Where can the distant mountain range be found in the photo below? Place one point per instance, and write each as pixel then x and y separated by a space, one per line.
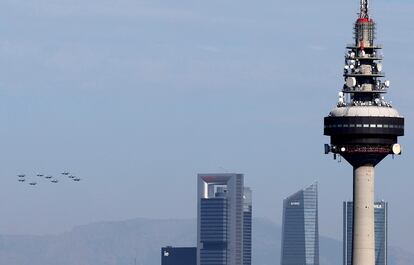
pixel 120 243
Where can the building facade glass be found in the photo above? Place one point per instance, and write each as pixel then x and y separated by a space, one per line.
pixel 300 232
pixel 220 219
pixel 247 226
pixel 213 231
pixel 381 232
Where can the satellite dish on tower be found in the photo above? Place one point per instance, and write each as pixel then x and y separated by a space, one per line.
pixel 351 82
pixel 379 67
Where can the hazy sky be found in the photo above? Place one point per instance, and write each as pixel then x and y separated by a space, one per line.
pixel 137 97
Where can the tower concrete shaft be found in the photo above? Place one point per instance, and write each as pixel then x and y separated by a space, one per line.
pixel 364 228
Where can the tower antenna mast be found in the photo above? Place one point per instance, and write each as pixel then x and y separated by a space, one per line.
pixel 364 9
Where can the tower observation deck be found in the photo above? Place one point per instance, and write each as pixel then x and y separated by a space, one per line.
pixel 363 128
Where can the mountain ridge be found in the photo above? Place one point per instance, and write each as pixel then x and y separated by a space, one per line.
pixel 121 242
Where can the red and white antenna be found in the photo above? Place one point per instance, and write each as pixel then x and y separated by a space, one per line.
pixel 364 9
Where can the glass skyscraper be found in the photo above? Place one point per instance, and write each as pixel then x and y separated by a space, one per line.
pixel 381 232
pixel 224 220
pixel 300 235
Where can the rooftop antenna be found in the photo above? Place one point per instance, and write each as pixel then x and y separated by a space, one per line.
pixel 364 9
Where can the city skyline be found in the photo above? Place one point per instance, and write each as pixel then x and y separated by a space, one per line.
pixel 196 80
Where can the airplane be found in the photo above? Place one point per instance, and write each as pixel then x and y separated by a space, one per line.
pixel 65 173
pixel 32 183
pixel 49 177
pixel 40 175
pixel 55 181
pixel 22 180
pixel 76 179
pixel 21 176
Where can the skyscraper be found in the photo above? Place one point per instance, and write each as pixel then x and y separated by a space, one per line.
pixel 247 226
pixel 300 235
pixel 220 219
pixel 178 256
pixel 381 229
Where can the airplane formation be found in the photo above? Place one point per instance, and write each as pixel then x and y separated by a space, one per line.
pixel 22 178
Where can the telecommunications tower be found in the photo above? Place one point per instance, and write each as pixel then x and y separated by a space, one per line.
pixel 363 128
